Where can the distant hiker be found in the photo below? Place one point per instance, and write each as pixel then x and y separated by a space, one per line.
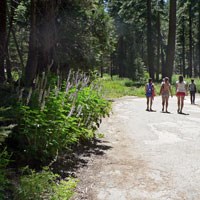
pixel 181 91
pixel 165 91
pixel 150 93
pixel 192 89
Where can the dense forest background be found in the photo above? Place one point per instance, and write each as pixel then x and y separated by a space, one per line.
pixel 53 54
pixel 118 37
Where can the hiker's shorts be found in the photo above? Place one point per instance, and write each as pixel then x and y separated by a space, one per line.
pixel 180 94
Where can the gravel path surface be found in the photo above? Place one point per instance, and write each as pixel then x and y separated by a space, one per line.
pixel 145 155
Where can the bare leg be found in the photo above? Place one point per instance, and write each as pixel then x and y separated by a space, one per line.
pixel 148 103
pixel 163 103
pixel 191 98
pixel 166 100
pixel 151 102
pixel 178 102
pixel 182 103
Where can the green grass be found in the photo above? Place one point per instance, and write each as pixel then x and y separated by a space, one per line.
pixel 119 87
pixel 44 185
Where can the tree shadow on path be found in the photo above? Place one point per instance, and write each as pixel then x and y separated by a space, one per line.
pixel 68 163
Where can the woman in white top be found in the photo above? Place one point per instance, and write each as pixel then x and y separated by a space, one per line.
pixel 181 91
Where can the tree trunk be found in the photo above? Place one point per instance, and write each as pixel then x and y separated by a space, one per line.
pixel 47 34
pixel 183 46
pixel 121 57
pixel 163 60
pixel 101 67
pixel 31 67
pixel 8 69
pixel 17 47
pixel 199 40
pixel 171 39
pixel 2 38
pixel 111 65
pixel 190 40
pixel 158 46
pixel 42 38
pixel 10 16
pixel 150 57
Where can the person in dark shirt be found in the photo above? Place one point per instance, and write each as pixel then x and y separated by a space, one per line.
pixel 192 89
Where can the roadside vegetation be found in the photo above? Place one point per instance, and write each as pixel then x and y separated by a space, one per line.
pixel 116 87
pixel 50 97
pixel 40 123
pixel 55 117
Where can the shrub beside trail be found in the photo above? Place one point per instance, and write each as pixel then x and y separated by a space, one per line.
pixel 51 117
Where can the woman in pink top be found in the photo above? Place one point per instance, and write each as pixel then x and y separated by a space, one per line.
pixel 181 91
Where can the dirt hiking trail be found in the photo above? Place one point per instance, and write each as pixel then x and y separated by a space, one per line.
pixel 145 155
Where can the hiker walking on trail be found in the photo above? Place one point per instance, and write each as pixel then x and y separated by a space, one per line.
pixel 181 91
pixel 165 91
pixel 192 89
pixel 150 93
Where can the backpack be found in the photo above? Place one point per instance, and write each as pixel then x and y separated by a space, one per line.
pixel 149 88
pixel 192 87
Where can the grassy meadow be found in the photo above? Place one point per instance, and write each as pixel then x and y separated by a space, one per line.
pixel 119 87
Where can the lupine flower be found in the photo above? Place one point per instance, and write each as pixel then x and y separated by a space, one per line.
pixel 21 94
pixel 71 111
pixel 88 120
pixel 29 96
pixel 79 110
pixel 40 96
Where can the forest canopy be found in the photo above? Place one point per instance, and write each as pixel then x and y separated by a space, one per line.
pixel 115 36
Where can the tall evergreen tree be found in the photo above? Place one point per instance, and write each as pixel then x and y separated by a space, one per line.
pixel 2 38
pixel 46 17
pixel 190 41
pixel 31 67
pixel 181 35
pixel 171 40
pixel 199 38
pixel 159 11
pixel 150 49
